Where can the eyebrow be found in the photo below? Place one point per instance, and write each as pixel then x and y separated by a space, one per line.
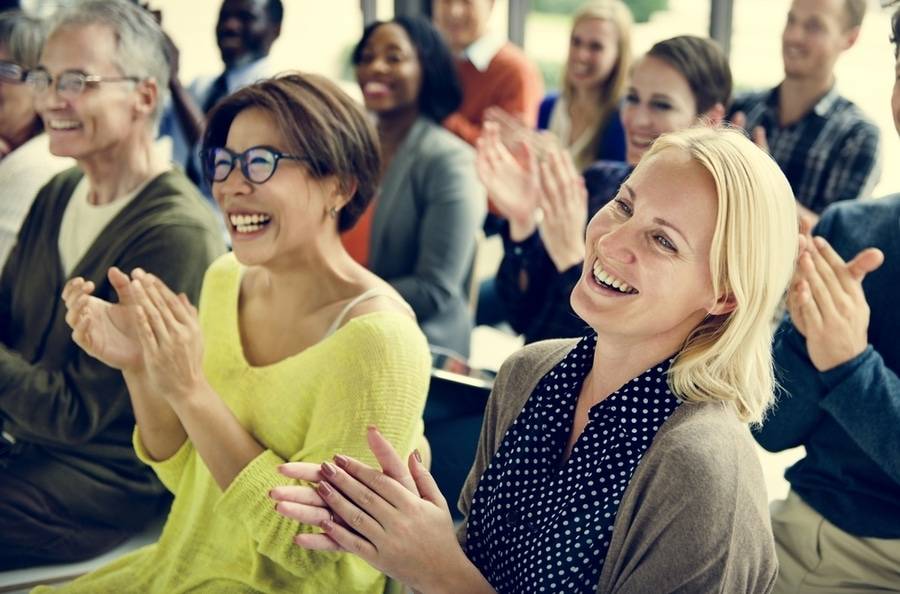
pixel 657 220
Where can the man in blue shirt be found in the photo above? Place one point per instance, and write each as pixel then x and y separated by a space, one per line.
pixel 837 358
pixel 245 32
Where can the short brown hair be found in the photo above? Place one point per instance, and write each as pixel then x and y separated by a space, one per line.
pixel 702 63
pixel 319 122
pixel 855 11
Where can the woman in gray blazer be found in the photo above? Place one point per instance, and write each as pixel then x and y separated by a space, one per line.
pixel 423 224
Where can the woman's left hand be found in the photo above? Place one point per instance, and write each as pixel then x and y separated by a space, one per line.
pixel 564 204
pixel 171 339
pixel 405 535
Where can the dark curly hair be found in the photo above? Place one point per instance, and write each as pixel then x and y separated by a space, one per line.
pixel 441 92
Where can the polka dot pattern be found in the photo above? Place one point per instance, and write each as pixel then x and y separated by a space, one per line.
pixel 536 526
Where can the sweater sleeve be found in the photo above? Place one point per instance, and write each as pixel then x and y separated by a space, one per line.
pixel 535 295
pixel 454 206
pixel 688 526
pixel 863 396
pixel 74 404
pixel 796 412
pixel 380 379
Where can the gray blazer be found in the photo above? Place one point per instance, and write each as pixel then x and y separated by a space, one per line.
pixel 429 209
pixel 694 517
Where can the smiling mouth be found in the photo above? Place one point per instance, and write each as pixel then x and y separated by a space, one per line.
pixel 608 281
pixel 249 223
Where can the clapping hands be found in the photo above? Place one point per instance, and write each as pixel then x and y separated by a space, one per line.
pixel 151 331
pixel 827 303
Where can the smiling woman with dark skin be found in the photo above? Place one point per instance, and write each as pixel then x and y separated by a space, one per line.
pixel 419 233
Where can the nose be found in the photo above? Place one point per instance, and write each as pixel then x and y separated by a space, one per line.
pixel 640 117
pixel 792 33
pixel 230 24
pixel 235 184
pixel 49 99
pixel 617 244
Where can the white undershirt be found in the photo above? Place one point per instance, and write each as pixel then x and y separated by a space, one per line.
pixel 83 222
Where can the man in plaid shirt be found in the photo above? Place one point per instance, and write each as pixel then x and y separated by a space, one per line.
pixel 825 145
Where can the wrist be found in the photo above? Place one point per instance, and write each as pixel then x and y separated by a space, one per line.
pixel 521 228
pixel 832 361
pixel 459 575
pixel 567 258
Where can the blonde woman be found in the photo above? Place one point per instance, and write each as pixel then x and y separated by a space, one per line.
pixel 621 461
pixel 585 115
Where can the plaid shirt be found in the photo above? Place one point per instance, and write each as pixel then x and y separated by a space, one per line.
pixel 830 154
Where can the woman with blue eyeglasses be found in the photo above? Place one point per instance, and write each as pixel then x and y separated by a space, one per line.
pixel 26 163
pixel 296 348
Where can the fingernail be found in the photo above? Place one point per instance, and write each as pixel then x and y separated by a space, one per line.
pixel 341 460
pixel 417 455
pixel 819 241
pixel 326 525
pixel 372 428
pixel 324 489
pixel 328 470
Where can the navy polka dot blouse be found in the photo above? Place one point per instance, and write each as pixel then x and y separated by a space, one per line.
pixel 536 526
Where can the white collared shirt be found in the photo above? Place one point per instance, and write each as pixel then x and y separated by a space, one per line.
pixel 482 51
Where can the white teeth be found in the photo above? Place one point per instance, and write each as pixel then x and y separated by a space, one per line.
pixel 247 228
pixel 605 278
pixel 63 124
pixel 243 220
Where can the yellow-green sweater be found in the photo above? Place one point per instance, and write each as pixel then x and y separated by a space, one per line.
pixel 373 370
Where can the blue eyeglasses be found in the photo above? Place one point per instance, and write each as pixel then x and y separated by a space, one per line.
pixel 258 163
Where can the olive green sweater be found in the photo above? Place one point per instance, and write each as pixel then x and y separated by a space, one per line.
pixel 69 414
pixel 694 517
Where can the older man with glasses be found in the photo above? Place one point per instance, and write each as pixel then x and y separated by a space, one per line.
pixel 70 483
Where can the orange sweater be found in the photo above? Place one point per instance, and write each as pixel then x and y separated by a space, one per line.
pixel 511 82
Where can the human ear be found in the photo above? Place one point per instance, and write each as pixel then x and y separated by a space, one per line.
pixel 850 37
pixel 148 95
pixel 713 116
pixel 724 305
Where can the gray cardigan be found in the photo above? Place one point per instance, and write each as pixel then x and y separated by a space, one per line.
pixel 694 517
pixel 429 209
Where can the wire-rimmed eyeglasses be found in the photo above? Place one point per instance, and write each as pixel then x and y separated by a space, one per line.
pixel 70 83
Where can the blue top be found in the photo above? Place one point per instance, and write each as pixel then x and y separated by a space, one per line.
pixel 848 418
pixel 537 524
pixel 612 142
pixel 541 310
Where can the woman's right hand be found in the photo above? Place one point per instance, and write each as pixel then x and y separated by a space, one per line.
pixel 106 331
pixel 512 182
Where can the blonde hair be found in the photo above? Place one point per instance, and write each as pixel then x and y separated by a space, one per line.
pixel 728 357
pixel 617 13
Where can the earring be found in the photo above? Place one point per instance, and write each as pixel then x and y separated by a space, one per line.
pixel 333 212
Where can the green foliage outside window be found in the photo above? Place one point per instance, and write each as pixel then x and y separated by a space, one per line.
pixel 641 9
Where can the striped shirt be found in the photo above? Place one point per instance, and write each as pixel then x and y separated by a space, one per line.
pixel 830 154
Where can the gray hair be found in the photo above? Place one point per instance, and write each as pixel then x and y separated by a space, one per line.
pixel 23 36
pixel 140 42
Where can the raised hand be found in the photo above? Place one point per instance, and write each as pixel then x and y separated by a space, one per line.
pixel 827 303
pixel 564 205
pixel 303 503
pixel 106 331
pixel 170 337
pixel 513 184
